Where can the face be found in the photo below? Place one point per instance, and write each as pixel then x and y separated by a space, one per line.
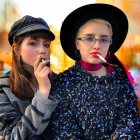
pixel 33 48
pixel 93 38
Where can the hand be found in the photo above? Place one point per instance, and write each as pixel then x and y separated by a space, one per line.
pixel 41 72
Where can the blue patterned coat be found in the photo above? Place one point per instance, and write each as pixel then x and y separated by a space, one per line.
pixel 94 108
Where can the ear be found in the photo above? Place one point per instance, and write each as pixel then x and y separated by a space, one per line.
pixel 76 43
pixel 15 49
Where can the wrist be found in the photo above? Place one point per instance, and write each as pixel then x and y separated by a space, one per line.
pixel 45 91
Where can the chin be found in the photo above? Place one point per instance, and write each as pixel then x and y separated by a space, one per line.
pixel 94 61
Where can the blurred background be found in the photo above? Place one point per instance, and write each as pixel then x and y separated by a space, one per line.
pixel 54 12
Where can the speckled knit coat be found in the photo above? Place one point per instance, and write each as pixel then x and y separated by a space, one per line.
pixel 94 108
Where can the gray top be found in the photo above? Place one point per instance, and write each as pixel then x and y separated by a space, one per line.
pixel 23 119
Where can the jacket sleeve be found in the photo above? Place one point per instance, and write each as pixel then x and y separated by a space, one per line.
pixel 14 125
pixel 129 121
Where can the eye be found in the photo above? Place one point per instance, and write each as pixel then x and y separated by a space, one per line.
pixel 32 43
pixel 90 39
pixel 104 40
pixel 47 45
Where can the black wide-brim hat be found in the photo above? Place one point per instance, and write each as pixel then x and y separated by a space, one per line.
pixel 78 17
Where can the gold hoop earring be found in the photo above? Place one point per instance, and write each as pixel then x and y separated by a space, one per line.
pixel 77 53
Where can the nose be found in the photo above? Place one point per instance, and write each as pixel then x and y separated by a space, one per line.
pixel 42 50
pixel 96 44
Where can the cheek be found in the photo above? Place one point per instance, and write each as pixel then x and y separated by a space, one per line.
pixel 28 55
pixel 84 51
pixel 47 52
pixel 105 51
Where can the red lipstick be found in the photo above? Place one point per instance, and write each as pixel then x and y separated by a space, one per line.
pixel 95 54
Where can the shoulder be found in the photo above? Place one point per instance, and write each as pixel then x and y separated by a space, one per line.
pixel 64 77
pixel 4 86
pixel 4 80
pixel 123 72
pixel 62 82
pixel 5 91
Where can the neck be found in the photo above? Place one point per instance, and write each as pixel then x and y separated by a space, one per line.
pixel 90 67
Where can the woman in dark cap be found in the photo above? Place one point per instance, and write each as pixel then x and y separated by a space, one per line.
pixel 96 100
pixel 25 104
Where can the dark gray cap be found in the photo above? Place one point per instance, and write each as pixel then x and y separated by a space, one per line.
pixel 28 24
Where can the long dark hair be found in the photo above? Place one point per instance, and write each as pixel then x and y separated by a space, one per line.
pixel 22 80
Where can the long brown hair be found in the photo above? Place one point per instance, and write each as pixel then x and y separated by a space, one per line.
pixel 22 80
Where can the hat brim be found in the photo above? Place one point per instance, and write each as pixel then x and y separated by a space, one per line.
pixel 75 19
pixel 36 27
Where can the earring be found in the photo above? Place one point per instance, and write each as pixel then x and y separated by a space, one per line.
pixel 77 53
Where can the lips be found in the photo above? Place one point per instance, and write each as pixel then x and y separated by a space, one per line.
pixel 95 54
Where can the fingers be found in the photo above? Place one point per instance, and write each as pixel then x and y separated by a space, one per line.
pixel 40 63
pixel 36 63
pixel 44 71
pixel 46 62
pixel 41 68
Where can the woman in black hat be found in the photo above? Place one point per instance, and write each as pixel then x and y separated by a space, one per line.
pixel 96 98
pixel 25 104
